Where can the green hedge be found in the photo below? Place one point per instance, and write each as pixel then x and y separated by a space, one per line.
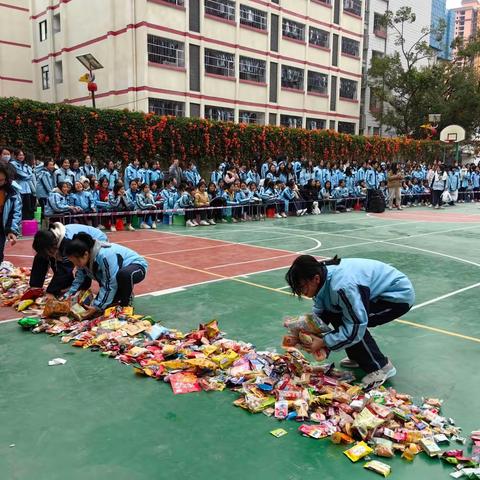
pixel 64 130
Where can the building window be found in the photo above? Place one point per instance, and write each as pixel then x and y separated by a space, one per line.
pixel 221 8
pixel 375 104
pixel 316 124
pixel 43 30
pixel 346 127
pixel 252 69
pixel 253 17
pixel 348 89
pixel 290 121
pixel 176 2
pixel 292 77
pixel 350 47
pixel 353 6
pixel 250 117
pixel 318 37
pixel 45 77
pixel 219 63
pixel 293 29
pixel 317 82
pixel 56 23
pixel 379 28
pixel 219 114
pixel 59 72
pixel 326 2
pixel 165 51
pixel 166 107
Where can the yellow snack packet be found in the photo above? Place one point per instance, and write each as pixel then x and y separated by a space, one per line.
pixel 378 467
pixel 24 304
pixel 224 360
pixel 358 451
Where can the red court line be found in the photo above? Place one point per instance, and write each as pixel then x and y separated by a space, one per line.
pixel 223 258
pixel 428 216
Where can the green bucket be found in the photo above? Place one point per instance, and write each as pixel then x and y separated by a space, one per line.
pixel 135 221
pixel 38 214
pixel 179 220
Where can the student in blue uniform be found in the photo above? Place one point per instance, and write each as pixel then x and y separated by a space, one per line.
pixel 49 246
pixel 45 181
pixel 10 209
pixel 88 169
pixel 110 173
pixel 116 269
pixel 132 172
pixel 353 295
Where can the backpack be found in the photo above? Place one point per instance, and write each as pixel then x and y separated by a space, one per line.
pixel 376 203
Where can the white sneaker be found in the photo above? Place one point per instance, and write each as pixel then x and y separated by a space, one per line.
pixel 101 227
pixel 379 377
pixel 211 222
pixel 299 212
pixel 154 226
pixel 113 229
pixel 130 228
pixel 277 215
pixel 195 223
pixel 144 226
pixel 437 207
pixel 284 215
pixel 348 363
pixel 204 223
pixel 224 220
pixel 190 224
pixel 304 212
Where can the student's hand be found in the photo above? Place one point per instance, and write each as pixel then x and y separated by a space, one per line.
pixel 317 345
pixel 12 238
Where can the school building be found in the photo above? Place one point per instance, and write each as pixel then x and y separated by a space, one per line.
pixel 295 63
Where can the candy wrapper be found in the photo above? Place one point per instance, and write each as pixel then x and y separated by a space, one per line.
pixel 308 323
pixel 28 322
pixel 358 451
pixel 378 467
pixel 279 432
pixel 56 308
pixel 184 382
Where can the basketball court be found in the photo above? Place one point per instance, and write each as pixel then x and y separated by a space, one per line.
pixel 93 418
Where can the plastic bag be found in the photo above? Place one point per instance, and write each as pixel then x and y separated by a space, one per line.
pixel 56 308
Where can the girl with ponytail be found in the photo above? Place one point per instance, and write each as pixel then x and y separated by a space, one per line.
pixel 115 268
pixel 353 295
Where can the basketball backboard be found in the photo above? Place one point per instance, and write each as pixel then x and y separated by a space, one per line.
pixel 452 134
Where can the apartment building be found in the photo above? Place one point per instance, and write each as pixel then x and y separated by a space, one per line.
pixel 380 41
pixel 295 63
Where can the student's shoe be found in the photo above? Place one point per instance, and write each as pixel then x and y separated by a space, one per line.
pixel 154 226
pixel 144 226
pixel 130 227
pixel 101 227
pixel 224 220
pixel 189 223
pixel 390 208
pixel 204 223
pixel 113 229
pixel 379 377
pixel 277 215
pixel 211 221
pixel 348 210
pixel 348 363
pixel 234 220
pixel 304 212
pixel 437 207
pixel 299 212
pixel 399 208
pixel 284 215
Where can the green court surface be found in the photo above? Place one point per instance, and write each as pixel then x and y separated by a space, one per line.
pixel 93 418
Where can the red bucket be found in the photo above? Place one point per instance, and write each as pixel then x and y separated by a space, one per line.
pixel 271 212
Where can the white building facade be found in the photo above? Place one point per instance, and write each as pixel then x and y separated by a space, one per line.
pixel 379 41
pixel 295 63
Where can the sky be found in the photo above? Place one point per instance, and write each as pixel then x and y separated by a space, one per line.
pixel 453 3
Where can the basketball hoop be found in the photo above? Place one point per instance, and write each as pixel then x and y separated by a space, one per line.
pixel 452 134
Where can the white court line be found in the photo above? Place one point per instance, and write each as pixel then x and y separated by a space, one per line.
pixel 447 295
pixel 250 261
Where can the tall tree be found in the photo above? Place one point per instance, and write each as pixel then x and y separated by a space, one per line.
pixel 409 88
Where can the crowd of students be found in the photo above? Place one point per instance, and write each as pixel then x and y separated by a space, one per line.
pixel 80 191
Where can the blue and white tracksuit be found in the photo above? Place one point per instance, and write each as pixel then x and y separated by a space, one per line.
pixel 61 176
pixel 111 175
pixel 84 200
pixel 89 170
pixel 131 173
pixel 357 294
pixel 57 203
pixel 107 267
pixel 12 215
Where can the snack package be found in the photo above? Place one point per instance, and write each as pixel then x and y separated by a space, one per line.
pixel 279 432
pixel 308 323
pixel 366 421
pixel 378 467
pixel 56 308
pixel 28 322
pixel 339 437
pixel 78 311
pixel 281 409
pixel 358 451
pixel 184 382
pixel 430 447
pixel 24 304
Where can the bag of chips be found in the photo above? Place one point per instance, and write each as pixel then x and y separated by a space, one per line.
pixel 56 308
